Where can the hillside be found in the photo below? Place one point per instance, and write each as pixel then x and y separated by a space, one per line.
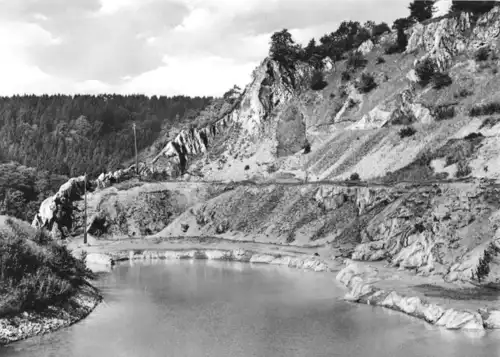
pixel 70 135
pixel 371 146
pixel 41 279
pixel 352 131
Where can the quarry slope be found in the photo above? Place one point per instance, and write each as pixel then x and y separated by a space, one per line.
pixel 427 205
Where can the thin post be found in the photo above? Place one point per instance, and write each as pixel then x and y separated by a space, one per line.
pixel 85 214
pixel 135 144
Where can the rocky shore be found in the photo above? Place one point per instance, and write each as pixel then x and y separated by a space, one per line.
pixel 361 281
pixel 368 283
pixel 30 324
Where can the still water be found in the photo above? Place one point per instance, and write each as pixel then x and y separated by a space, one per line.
pixel 203 308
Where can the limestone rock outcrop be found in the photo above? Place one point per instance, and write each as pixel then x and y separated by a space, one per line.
pixel 444 39
pixel 361 283
pixel 58 209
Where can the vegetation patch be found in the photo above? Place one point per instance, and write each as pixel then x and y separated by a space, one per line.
pixel 36 271
pixel 366 83
pixel 441 80
pixel 356 60
pixel 485 109
pixel 489 122
pixel 425 70
pixel 482 54
pixel 407 132
pixel 444 111
pixel 463 93
pixel 318 81
pixel 455 151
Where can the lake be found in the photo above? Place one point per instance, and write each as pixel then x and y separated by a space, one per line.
pixel 206 308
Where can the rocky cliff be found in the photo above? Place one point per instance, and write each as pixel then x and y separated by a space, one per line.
pixel 280 127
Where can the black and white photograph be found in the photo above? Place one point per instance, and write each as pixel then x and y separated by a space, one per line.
pixel 249 178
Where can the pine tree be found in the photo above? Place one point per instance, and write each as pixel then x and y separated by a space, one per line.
pixel 421 10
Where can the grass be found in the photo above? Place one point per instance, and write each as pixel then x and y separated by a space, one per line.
pixel 36 271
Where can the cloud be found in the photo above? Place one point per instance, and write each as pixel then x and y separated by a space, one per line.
pixel 122 45
pixel 191 76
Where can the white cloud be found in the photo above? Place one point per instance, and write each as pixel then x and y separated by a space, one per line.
pixel 118 45
pixel 191 76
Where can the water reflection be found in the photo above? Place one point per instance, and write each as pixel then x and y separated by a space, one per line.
pixel 207 308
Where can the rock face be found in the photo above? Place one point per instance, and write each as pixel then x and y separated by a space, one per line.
pixel 255 113
pixel 360 280
pixel 56 211
pixel 444 39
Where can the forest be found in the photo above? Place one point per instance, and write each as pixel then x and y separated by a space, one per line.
pixel 44 140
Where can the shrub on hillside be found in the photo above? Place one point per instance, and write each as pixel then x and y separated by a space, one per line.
pixel 36 271
pixel 473 136
pixel 307 147
pixel 247 167
pixel 345 76
pixel 482 54
pixel 391 49
pixel 356 60
pixel 440 80
pixel 365 83
pixel 407 132
pixel 318 81
pixel 463 169
pixel 444 111
pixel 425 70
pixel 380 60
pixel 463 93
pixel 485 109
pixel 380 29
pixel 354 177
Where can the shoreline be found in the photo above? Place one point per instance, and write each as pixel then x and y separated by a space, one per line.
pixel 364 281
pixel 30 324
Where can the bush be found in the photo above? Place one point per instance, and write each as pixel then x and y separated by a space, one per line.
pixel 462 93
pixel 318 81
pixel 463 169
pixel 365 83
pixel 473 136
pixel 36 272
pixel 380 29
pixel 406 132
pixel 354 177
pixel 247 167
pixel 485 109
pixel 392 49
pixel 425 70
pixel 345 76
pixel 356 60
pixel 380 60
pixel 444 111
pixel 307 147
pixel 440 80
pixel 482 54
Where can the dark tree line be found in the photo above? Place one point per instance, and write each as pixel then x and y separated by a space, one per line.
pixel 23 189
pixel 70 135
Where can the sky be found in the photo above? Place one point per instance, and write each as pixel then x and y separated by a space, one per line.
pixel 157 47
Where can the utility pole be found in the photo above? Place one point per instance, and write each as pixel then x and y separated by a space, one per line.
pixel 135 144
pixel 85 215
